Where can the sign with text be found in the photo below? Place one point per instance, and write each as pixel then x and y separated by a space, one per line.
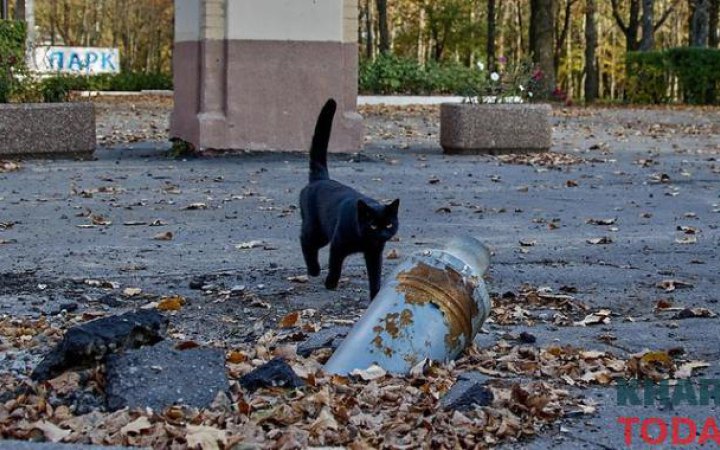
pixel 77 60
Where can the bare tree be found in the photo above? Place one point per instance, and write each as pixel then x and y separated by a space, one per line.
pixel 591 69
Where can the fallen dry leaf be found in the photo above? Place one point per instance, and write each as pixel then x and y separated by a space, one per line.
pixel 195 206
pixel 249 245
pixel 685 370
pixel 605 240
pixel 236 357
pixel 8 166
pixel 290 320
pixel 131 292
pixel 302 279
pixel 165 236
pixel 671 285
pixel 205 437
pixel 137 426
pixel 601 317
pixel 373 372
pixel 601 221
pixel 174 303
pixel 686 240
pixel 52 432
pixel 692 313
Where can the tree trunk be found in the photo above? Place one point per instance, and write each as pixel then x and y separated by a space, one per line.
pixel 699 24
pixel 384 43
pixel 647 42
pixel 20 10
pixel 591 72
pixel 491 35
pixel 542 26
pixel 713 38
pixel 562 35
pixel 369 30
pixel 632 28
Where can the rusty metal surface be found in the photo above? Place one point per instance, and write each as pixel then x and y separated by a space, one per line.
pixel 447 290
pixel 430 307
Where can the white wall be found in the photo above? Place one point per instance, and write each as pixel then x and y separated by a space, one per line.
pixel 276 20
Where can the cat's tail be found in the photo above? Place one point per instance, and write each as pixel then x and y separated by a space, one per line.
pixel 318 150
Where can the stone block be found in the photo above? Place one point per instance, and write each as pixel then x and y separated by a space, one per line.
pixel 467 128
pixel 31 130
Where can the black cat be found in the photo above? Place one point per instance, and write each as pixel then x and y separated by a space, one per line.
pixel 335 214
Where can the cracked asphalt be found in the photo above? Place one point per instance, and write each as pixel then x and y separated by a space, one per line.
pixel 652 174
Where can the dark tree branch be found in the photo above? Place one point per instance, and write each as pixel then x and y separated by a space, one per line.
pixel 618 18
pixel 665 15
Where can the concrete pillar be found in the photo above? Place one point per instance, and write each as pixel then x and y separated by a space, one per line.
pixel 254 74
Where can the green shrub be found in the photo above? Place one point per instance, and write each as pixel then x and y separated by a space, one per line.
pixel 58 87
pixel 12 57
pixel 390 74
pixel 647 77
pixel 698 71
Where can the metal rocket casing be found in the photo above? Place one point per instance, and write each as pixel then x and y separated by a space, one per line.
pixel 432 306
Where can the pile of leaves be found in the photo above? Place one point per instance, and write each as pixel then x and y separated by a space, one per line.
pixel 531 305
pixel 533 388
pixel 544 159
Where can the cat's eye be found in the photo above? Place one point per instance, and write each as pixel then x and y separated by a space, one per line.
pixel 389 226
pixel 373 227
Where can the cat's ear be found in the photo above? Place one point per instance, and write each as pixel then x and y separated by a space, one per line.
pixel 364 209
pixel 392 208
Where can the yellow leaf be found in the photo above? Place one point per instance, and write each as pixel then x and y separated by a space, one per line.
pixel 291 320
pixel 236 357
pixel 173 303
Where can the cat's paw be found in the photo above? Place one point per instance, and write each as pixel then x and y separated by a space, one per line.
pixel 313 271
pixel 331 284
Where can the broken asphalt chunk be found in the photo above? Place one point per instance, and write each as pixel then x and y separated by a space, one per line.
pixel 467 393
pixel 325 338
pixel 161 376
pixel 88 343
pixel 276 373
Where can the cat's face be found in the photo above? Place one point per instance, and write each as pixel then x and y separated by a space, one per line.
pixel 378 224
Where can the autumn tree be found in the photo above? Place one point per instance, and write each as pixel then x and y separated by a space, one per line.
pixel 383 28
pixel 491 22
pixel 591 70
pixel 699 22
pixel 631 26
pixel 542 27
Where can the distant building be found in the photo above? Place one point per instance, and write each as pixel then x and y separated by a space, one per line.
pixel 253 74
